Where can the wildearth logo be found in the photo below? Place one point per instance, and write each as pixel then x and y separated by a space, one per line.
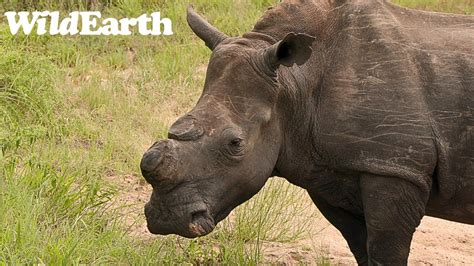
pixel 86 23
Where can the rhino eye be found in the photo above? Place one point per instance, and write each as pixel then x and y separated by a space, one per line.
pixel 236 142
pixel 236 147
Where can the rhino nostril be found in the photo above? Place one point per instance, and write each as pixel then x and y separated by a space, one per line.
pixel 197 214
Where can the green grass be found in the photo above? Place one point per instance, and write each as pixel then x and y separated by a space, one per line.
pixel 452 6
pixel 77 112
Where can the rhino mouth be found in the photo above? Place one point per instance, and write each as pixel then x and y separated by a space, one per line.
pixel 201 224
pixel 188 216
pixel 198 223
pixel 221 215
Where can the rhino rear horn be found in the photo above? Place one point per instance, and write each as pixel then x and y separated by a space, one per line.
pixel 204 30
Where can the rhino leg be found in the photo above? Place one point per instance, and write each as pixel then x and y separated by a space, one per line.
pixel 393 208
pixel 351 226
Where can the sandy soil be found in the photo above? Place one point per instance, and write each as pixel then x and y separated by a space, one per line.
pixel 436 241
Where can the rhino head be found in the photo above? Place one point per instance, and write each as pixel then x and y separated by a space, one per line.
pixel 221 153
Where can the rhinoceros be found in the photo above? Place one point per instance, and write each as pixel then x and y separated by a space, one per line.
pixel 366 105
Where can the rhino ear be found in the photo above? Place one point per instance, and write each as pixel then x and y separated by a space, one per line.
pixel 204 30
pixel 293 49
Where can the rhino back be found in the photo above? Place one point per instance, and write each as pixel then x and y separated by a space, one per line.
pixel 397 98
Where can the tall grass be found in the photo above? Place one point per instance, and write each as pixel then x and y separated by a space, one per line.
pixel 78 112
pixel 79 109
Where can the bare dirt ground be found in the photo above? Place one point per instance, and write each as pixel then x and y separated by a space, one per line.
pixel 436 241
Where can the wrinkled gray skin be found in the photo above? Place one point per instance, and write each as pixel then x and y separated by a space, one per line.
pixel 366 105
